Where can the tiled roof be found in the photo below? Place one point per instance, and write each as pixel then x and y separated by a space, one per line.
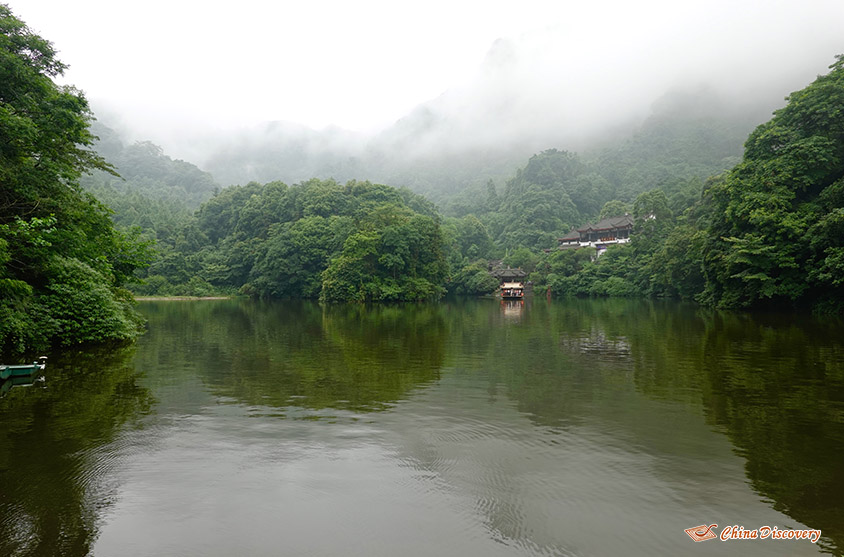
pixel 504 274
pixel 608 224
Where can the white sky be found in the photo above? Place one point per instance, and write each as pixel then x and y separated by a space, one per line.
pixel 362 64
pixel 356 64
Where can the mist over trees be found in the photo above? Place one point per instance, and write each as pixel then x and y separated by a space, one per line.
pixel 777 225
pixel 681 175
pixel 151 194
pixel 564 82
pixel 767 233
pixel 144 169
pixel 688 132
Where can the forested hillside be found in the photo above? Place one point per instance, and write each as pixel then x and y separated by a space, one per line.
pixel 710 225
pixel 145 170
pixel 687 138
pixel 777 219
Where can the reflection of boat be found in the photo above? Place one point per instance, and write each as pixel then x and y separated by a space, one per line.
pixel 512 308
pixel 512 290
pixel 24 370
pixel 27 381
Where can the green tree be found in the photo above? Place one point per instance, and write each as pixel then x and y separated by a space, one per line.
pixel 537 205
pixel 614 208
pixel 473 238
pixel 522 258
pixel 44 134
pixel 651 214
pixel 396 255
pixel 472 280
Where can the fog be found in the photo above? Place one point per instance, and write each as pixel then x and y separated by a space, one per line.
pixel 330 82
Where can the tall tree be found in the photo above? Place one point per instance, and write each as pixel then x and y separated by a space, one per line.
pixel 44 134
pixel 61 260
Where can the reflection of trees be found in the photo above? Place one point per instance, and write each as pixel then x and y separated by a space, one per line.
pixel 556 360
pixel 51 494
pixel 775 384
pixel 568 368
pixel 297 353
pixel 775 387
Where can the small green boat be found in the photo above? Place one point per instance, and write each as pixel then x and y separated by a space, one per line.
pixel 24 370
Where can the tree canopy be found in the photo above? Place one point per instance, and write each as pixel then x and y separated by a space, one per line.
pixel 777 217
pixel 318 239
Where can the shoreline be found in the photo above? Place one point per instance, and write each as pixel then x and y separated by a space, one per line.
pixel 178 298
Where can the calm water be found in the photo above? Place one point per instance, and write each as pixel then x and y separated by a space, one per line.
pixel 587 428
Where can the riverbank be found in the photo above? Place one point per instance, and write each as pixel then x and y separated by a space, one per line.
pixel 178 298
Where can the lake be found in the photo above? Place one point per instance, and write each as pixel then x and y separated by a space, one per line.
pixel 467 427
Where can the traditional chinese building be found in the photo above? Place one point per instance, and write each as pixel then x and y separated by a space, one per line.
pixel 614 230
pixel 511 282
pixel 508 275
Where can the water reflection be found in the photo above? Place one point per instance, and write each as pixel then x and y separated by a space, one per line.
pixel 295 353
pixel 776 385
pixel 512 310
pixel 773 384
pixel 8 384
pixel 577 427
pixel 54 480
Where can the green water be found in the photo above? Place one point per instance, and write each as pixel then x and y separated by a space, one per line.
pixel 583 427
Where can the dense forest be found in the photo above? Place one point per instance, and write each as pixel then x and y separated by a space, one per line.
pixel 319 239
pixel 84 215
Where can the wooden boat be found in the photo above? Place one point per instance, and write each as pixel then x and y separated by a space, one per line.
pixel 512 290
pixel 23 370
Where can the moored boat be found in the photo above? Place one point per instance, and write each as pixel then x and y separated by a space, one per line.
pixel 512 290
pixel 22 370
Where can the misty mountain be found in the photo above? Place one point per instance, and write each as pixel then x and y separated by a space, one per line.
pixel 693 133
pixel 688 133
pixel 645 114
pixel 152 191
pixel 639 137
pixel 635 125
pixel 285 151
pixel 465 136
pixel 146 170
